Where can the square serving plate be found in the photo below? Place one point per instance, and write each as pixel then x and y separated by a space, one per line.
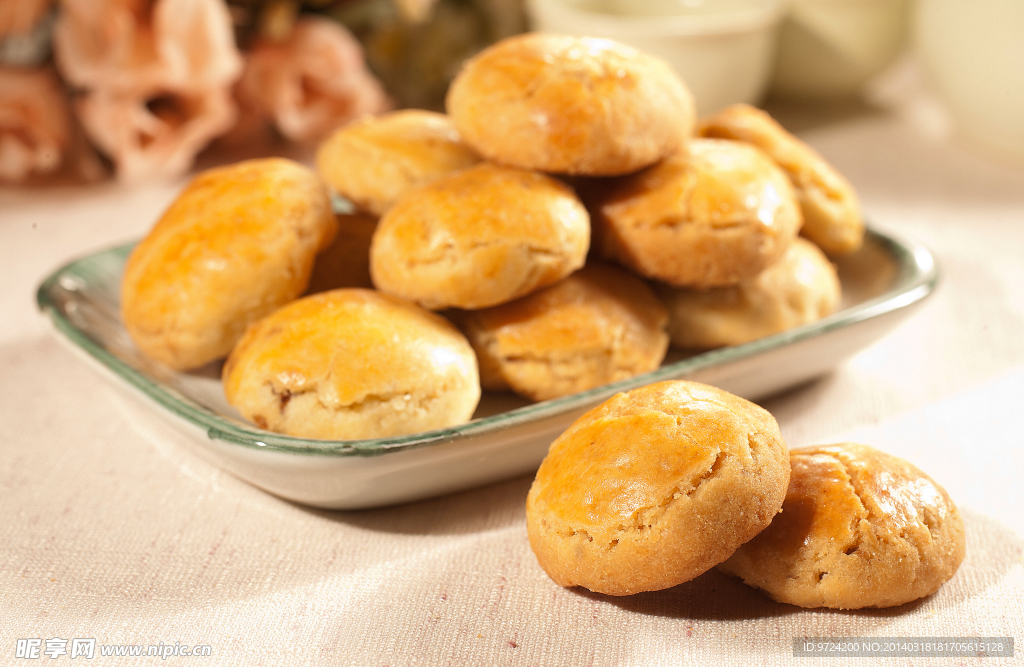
pixel 883 283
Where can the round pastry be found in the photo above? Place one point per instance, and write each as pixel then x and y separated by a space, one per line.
pixel 238 242
pixel 831 210
pixel 654 487
pixel 351 364
pixel 479 237
pixel 859 528
pixel 346 262
pixel 373 161
pixel 574 105
pixel 715 216
pixel 599 325
pixel 799 288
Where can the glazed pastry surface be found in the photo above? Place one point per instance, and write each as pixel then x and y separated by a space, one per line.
pixel 654 487
pixel 238 242
pixel 373 161
pixel 599 325
pixel 479 237
pixel 351 364
pixel 801 287
pixel 717 215
pixel 859 528
pixel 831 209
pixel 574 105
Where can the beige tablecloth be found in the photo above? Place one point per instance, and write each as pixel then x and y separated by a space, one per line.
pixel 112 529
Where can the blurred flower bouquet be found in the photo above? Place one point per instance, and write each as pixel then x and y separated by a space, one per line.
pixel 139 87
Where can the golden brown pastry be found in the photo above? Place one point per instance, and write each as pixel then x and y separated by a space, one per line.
pixel 799 288
pixel 831 210
pixel 346 262
pixel 352 364
pixel 599 325
pixel 859 528
pixel 717 215
pixel 375 160
pixel 479 237
pixel 238 242
pixel 575 105
pixel 654 487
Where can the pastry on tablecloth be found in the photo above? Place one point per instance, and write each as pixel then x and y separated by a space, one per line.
pixel 654 487
pixel 859 528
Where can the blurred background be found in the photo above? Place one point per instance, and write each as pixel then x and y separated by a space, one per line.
pixel 138 90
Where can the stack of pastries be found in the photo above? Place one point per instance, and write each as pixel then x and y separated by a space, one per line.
pixel 662 483
pixel 564 223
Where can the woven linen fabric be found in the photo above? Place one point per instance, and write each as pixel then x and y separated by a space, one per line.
pixel 116 528
pixel 126 536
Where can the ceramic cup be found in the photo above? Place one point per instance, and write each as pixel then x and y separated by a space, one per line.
pixel 831 48
pixel 972 52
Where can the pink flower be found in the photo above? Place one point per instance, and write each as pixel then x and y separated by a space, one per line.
pixel 18 17
pixel 312 82
pixel 158 135
pixel 35 123
pixel 156 76
pixel 146 44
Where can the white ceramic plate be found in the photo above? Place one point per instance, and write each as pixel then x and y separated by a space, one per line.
pixel 883 283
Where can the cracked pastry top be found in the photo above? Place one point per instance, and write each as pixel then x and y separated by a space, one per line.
pixel 373 161
pixel 238 242
pixel 859 528
pixel 599 325
pixel 654 487
pixel 801 287
pixel 714 216
pixel 352 364
pixel 830 207
pixel 572 105
pixel 479 237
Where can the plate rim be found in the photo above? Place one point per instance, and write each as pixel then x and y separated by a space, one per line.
pixel 917 277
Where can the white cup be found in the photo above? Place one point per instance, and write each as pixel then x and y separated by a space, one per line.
pixel 722 49
pixel 831 48
pixel 972 52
